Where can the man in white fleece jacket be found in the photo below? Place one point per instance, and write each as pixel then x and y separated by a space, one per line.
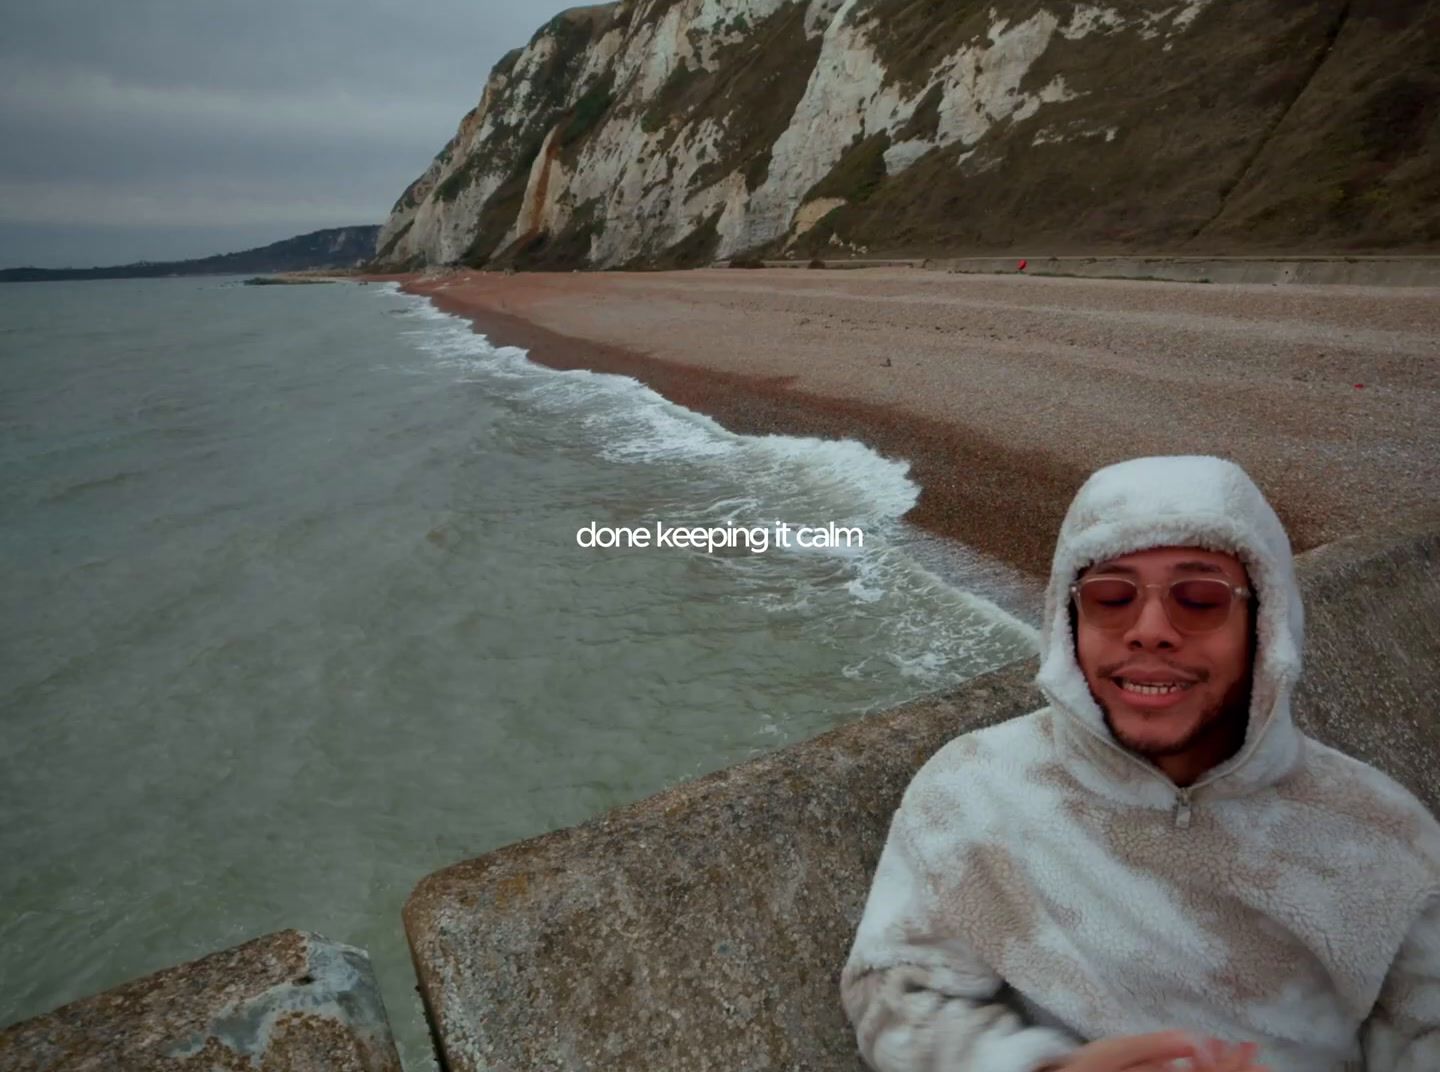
pixel 1159 847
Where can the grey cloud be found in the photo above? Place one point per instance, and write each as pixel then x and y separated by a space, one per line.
pixel 168 124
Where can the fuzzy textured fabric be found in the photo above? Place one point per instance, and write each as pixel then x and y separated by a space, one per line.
pixel 1041 886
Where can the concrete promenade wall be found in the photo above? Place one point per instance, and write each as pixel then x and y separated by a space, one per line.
pixel 705 927
pixel 1358 271
pixel 288 1001
pixel 1352 271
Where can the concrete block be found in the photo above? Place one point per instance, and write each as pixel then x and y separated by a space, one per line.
pixel 702 928
pixel 287 1002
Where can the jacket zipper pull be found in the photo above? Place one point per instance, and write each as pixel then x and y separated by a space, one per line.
pixel 1182 809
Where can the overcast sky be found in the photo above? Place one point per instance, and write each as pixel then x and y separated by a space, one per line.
pixel 163 129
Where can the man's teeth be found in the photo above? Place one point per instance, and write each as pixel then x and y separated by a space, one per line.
pixel 1153 690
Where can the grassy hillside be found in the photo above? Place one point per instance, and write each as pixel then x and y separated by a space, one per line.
pixel 336 247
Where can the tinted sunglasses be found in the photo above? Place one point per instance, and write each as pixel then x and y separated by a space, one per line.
pixel 1193 604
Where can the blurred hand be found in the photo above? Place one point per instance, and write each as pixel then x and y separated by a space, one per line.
pixel 1223 1057
pixel 1165 1051
pixel 1132 1053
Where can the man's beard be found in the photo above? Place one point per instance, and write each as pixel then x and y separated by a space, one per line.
pixel 1229 714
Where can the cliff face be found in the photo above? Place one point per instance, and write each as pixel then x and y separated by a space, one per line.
pixel 669 132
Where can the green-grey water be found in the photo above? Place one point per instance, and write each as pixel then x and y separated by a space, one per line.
pixel 294 613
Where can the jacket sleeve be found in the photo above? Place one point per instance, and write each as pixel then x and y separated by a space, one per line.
pixel 1403 1031
pixel 918 998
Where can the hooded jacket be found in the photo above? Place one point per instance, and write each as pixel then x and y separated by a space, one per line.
pixel 1042 887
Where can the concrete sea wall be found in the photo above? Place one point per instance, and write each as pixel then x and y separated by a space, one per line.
pixel 1348 271
pixel 705 927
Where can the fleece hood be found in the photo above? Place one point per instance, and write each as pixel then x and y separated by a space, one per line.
pixel 1181 501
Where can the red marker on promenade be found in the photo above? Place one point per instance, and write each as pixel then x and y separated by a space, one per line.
pixel 1022 265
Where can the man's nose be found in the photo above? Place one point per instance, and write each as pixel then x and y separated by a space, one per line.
pixel 1152 629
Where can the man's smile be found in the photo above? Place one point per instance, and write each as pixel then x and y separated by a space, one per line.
pixel 1151 695
pixel 1152 688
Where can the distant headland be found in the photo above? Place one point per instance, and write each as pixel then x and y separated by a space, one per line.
pixel 336 247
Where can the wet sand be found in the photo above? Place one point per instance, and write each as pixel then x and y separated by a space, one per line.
pixel 1005 392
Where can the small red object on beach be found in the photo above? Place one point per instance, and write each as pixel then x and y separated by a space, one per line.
pixel 1359 386
pixel 1022 265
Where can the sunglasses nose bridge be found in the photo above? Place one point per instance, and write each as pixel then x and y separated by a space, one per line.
pixel 1153 599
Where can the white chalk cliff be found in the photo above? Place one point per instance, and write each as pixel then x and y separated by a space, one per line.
pixel 685 131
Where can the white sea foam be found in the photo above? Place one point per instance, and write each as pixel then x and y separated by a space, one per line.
pixel 799 479
pixel 641 425
pixel 635 423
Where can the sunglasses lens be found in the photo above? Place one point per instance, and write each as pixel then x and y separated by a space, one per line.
pixel 1199 606
pixel 1109 602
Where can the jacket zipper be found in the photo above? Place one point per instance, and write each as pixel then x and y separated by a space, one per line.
pixel 1182 795
pixel 1182 809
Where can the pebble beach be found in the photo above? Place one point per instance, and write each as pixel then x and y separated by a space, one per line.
pixel 1004 392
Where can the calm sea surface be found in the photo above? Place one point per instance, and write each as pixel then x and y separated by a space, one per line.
pixel 293 613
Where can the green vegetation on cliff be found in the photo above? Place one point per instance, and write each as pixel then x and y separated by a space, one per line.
pixel 951 127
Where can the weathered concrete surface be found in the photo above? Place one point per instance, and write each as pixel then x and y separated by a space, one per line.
pixel 288 1001
pixel 1371 684
pixel 702 928
pixel 1351 271
pixel 705 928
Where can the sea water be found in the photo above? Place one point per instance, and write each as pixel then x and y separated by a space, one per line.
pixel 294 613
